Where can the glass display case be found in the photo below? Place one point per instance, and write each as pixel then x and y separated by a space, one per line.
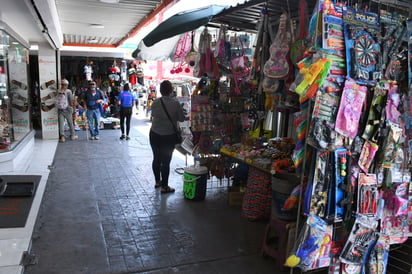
pixel 14 92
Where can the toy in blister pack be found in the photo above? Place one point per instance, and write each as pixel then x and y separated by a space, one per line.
pixel 341 170
pixel 396 228
pixel 321 132
pixel 361 235
pixel 321 181
pixel 368 153
pixel 390 146
pixel 394 28
pixel 350 109
pixel 367 194
pixel 375 116
pixel 364 59
pixel 392 104
pixel 333 38
pixel 377 257
pixel 311 250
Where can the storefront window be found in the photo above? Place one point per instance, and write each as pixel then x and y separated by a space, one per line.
pixel 14 92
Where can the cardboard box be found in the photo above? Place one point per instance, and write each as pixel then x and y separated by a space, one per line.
pixel 235 196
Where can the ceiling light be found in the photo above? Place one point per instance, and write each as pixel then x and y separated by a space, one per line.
pixel 92 41
pixel 110 1
pixel 96 26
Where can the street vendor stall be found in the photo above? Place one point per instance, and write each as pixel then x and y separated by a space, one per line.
pixel 315 99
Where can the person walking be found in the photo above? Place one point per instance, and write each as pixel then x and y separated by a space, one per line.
pixel 92 98
pixel 162 133
pixel 125 101
pixel 64 101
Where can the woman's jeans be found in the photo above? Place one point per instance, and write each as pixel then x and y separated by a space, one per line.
pixel 93 117
pixel 125 113
pixel 162 147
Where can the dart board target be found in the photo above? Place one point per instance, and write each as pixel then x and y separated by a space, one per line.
pixel 366 52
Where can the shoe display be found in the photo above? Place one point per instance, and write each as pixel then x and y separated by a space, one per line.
pixel 127 138
pixel 74 137
pixel 122 137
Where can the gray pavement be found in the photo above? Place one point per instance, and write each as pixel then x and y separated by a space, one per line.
pixel 101 214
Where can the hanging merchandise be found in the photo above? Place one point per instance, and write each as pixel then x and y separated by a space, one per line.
pixel 361 235
pixel 239 65
pixel 277 66
pixel 394 28
pixel 364 59
pixel 301 121
pixel 321 131
pixel 376 120
pixel 298 49
pixel 182 51
pixel 311 250
pixel 350 109
pixel 342 176
pixel 367 195
pixel 321 184
pixel 392 104
pixel 192 55
pixel 367 155
pixel 390 145
pixel 206 61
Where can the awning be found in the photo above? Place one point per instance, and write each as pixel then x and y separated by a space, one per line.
pixel 181 23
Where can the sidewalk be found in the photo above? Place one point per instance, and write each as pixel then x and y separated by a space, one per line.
pixel 101 214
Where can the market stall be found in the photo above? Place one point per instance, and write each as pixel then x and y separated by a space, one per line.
pixel 315 105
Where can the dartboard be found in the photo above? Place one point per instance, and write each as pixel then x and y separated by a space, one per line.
pixel 365 51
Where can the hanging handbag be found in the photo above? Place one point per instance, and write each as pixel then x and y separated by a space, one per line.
pixel 178 135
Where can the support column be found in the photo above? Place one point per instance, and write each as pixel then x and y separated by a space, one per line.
pixel 48 88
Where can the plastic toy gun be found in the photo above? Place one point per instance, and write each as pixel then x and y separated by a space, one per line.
pixel 309 75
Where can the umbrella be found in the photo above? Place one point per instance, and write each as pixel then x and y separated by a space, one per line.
pixel 181 23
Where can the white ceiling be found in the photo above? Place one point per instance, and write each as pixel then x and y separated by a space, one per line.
pixel 67 22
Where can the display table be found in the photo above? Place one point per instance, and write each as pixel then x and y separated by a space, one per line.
pixel 257 200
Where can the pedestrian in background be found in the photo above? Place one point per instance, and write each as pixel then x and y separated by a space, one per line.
pixel 162 134
pixel 92 98
pixel 125 101
pixel 65 105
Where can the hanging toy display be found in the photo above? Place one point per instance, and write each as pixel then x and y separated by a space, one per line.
pixel 311 250
pixel 364 59
pixel 350 109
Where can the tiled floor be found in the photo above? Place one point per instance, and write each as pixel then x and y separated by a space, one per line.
pixel 101 214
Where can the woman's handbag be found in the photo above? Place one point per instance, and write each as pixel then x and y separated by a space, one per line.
pixel 178 134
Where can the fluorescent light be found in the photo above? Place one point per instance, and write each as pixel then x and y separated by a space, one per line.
pixel 92 41
pixel 96 26
pixel 34 47
pixel 110 1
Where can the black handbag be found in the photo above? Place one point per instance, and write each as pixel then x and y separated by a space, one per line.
pixel 178 139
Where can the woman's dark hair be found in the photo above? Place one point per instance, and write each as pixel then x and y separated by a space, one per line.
pixel 126 87
pixel 166 88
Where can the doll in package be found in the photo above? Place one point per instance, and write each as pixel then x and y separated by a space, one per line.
pixel 350 109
